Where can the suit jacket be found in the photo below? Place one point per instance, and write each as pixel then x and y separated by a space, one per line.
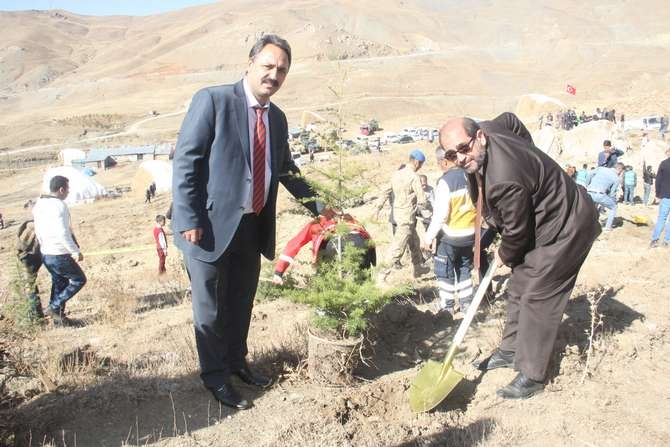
pixel 212 172
pixel 546 221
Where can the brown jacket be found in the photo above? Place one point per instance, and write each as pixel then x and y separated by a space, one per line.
pixel 546 221
pixel 407 195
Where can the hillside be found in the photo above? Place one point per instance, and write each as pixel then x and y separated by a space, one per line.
pixel 127 375
pixel 403 60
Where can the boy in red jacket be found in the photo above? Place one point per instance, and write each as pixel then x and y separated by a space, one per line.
pixel 161 243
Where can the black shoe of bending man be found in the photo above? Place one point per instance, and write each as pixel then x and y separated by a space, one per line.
pixel 499 359
pixel 228 396
pixel 522 387
pixel 420 270
pixel 251 378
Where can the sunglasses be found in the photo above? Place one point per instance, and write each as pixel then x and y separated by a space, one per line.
pixel 464 148
pixel 450 155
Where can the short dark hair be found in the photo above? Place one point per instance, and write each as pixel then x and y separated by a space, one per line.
pixel 443 154
pixel 57 182
pixel 471 127
pixel 270 39
pixel 607 143
pixel 160 218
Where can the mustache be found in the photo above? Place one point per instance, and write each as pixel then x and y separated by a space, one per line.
pixel 271 81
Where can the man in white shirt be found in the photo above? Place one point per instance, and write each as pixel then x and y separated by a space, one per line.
pixel 59 248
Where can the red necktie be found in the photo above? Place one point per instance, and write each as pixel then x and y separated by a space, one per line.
pixel 258 199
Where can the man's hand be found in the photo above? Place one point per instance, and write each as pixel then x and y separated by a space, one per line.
pixel 277 280
pixel 426 247
pixel 193 236
pixel 498 259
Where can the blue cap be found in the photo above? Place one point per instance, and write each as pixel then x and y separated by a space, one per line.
pixel 417 155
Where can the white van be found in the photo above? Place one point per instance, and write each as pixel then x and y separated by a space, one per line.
pixel 651 122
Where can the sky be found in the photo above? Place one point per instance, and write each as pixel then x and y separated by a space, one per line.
pixel 102 7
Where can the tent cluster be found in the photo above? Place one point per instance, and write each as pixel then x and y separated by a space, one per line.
pixel 83 189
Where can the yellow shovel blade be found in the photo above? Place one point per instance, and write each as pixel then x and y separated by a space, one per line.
pixel 640 220
pixel 431 386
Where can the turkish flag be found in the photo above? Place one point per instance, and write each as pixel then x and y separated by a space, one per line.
pixel 570 89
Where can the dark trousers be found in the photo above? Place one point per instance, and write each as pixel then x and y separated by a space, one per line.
pixel 453 269
pixel 67 278
pixel 223 294
pixel 532 326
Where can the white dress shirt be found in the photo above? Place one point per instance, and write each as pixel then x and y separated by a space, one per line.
pixel 251 113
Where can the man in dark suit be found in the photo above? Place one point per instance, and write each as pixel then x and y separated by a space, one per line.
pixel 231 154
pixel 547 224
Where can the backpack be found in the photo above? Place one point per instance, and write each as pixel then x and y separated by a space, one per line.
pixel 27 245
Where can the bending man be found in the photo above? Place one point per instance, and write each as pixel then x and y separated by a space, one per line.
pixel 547 225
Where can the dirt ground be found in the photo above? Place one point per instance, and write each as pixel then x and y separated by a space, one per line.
pixel 127 375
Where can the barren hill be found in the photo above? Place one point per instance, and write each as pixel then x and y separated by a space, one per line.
pixel 403 60
pixel 128 374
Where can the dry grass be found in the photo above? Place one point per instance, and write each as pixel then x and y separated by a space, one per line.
pixel 597 322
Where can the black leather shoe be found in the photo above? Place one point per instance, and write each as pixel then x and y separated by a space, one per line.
pixel 499 359
pixel 521 387
pixel 229 397
pixel 251 378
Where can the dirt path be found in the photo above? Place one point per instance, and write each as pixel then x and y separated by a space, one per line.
pixel 132 129
pixel 128 374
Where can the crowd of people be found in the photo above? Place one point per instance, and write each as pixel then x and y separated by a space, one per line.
pixel 610 182
pixel 568 119
pixel 494 181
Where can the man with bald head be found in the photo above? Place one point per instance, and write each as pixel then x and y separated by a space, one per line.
pixel 547 224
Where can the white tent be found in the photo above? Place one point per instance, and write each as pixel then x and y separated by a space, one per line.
pixel 157 171
pixel 66 156
pixel 83 189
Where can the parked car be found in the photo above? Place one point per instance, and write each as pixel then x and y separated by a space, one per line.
pixel 405 139
pixel 390 137
pixel 298 159
pixel 651 122
pixel 362 140
pixel 345 144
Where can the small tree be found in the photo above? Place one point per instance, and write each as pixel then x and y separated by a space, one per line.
pixel 20 307
pixel 342 292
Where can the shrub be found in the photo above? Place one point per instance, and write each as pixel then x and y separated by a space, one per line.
pixel 343 294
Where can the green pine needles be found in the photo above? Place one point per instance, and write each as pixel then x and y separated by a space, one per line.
pixel 23 304
pixel 343 294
